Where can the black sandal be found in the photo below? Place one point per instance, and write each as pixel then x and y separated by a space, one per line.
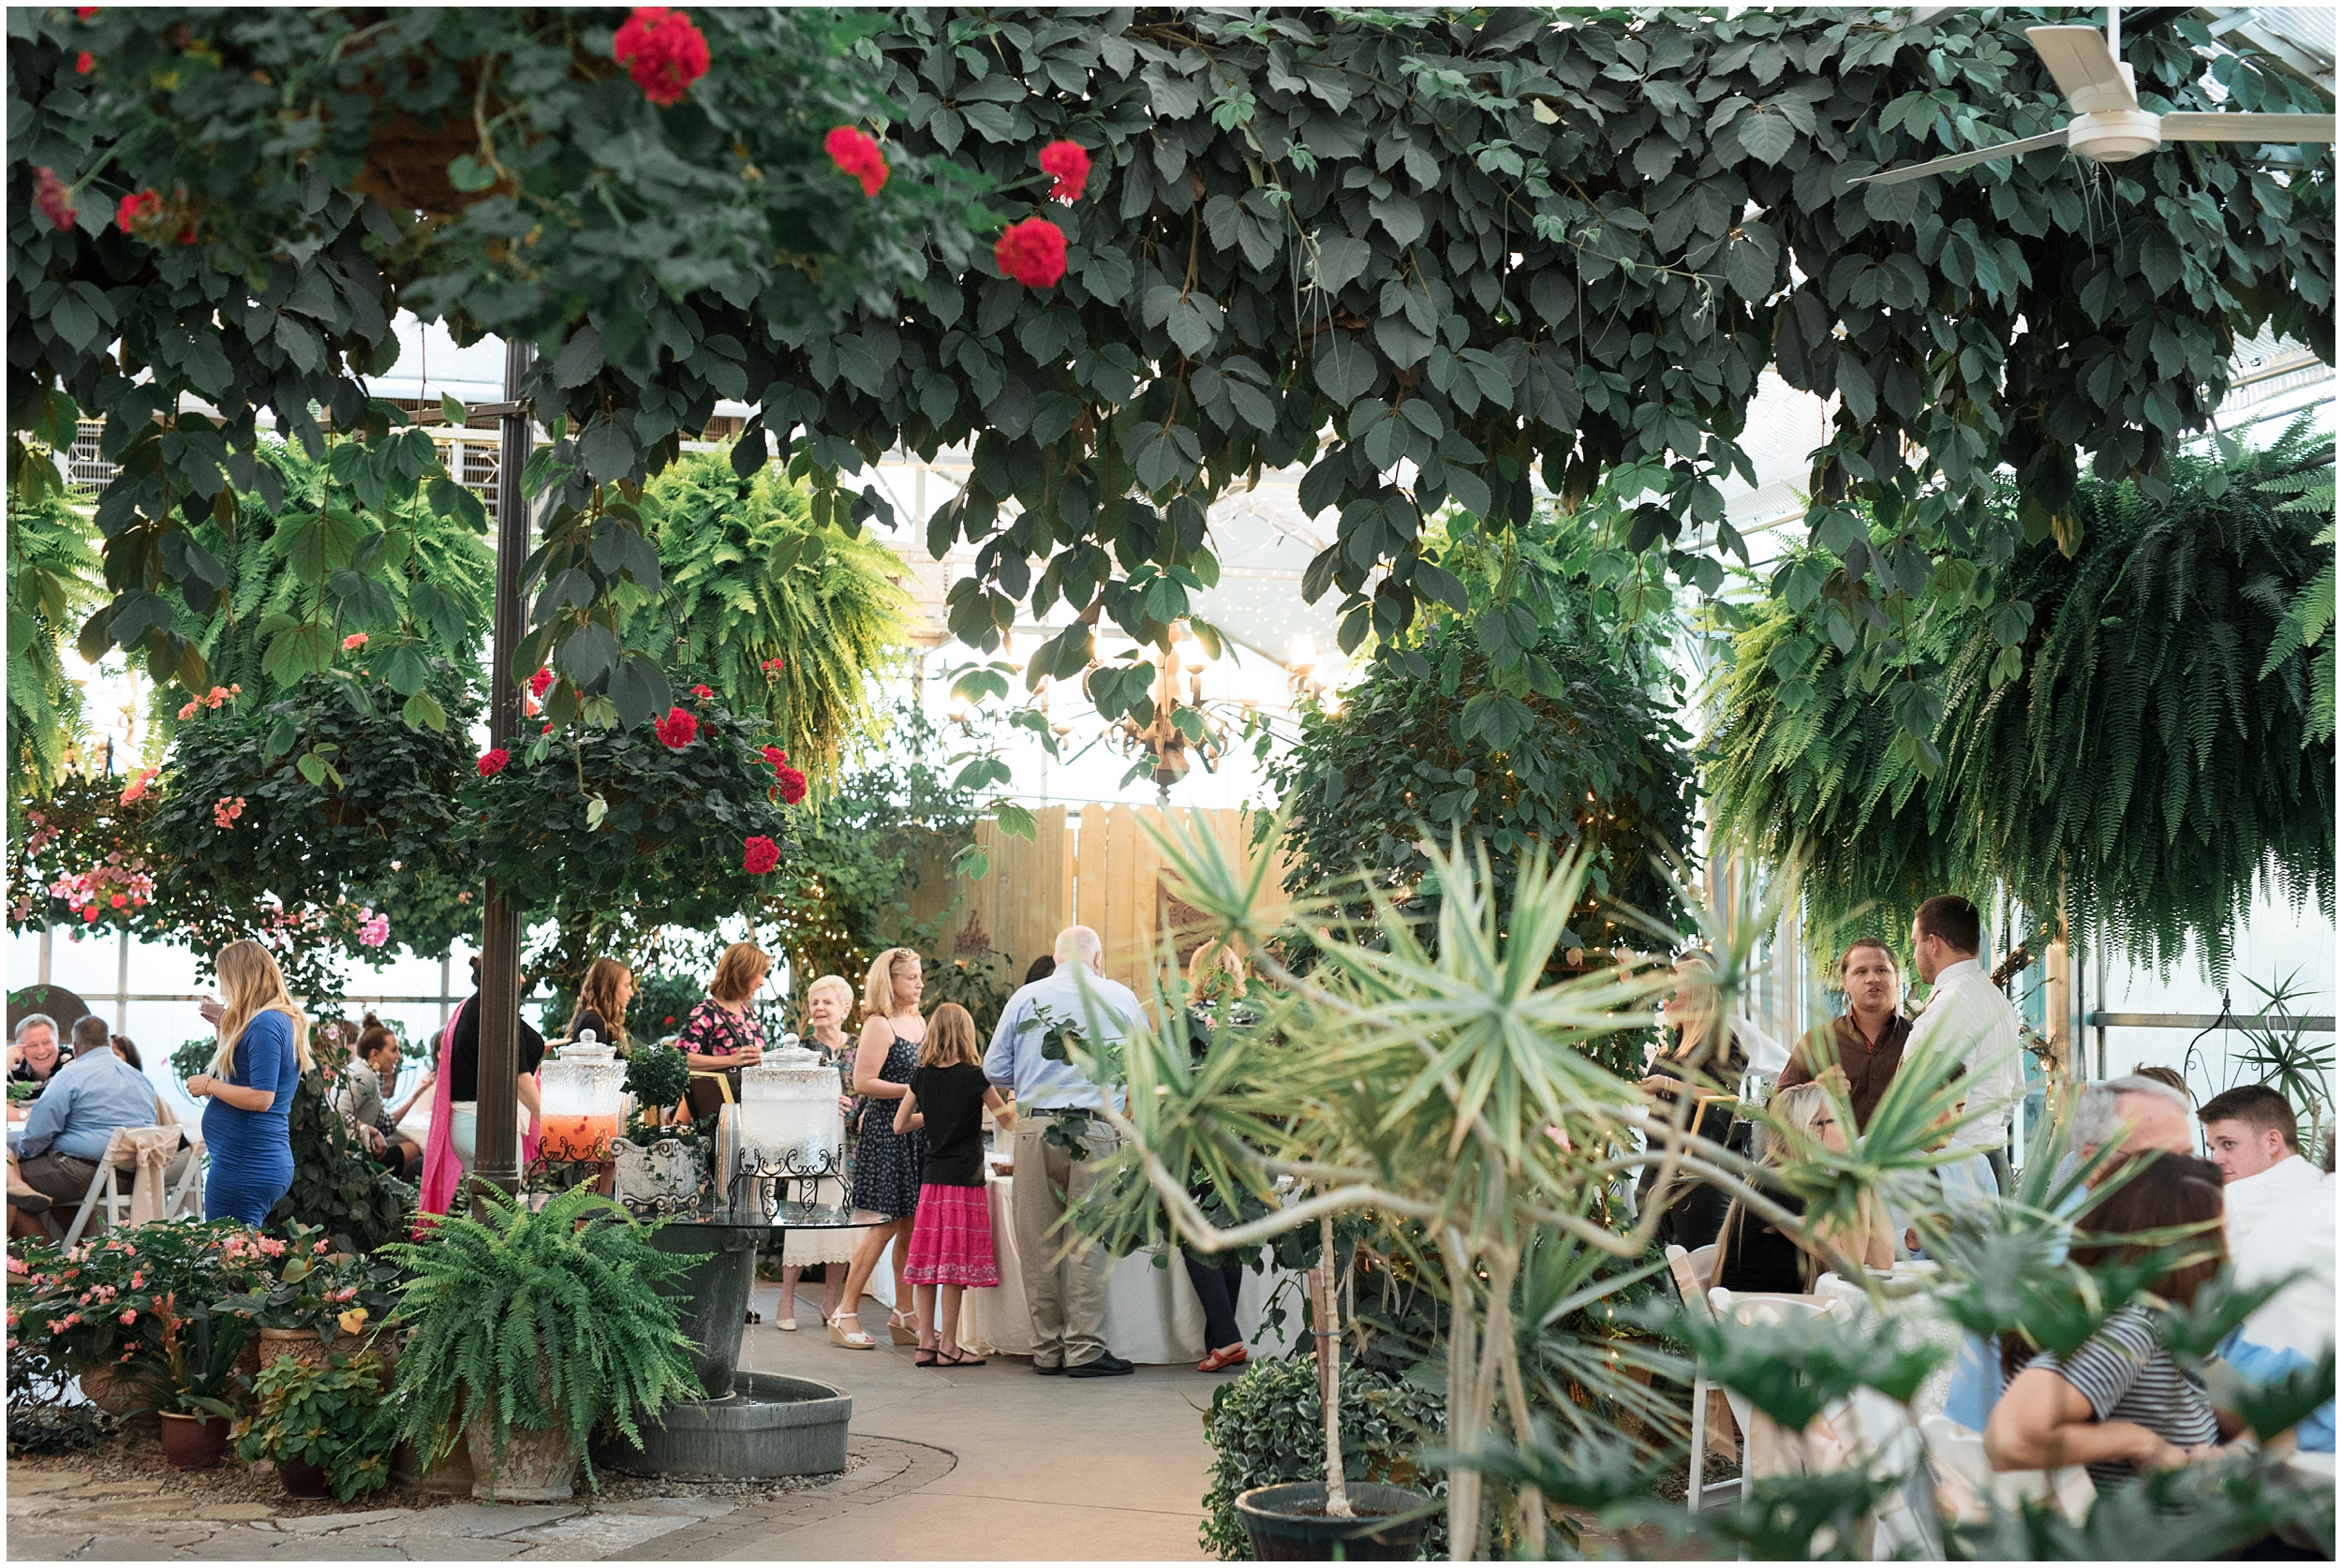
pixel 926 1358
pixel 961 1359
pixel 755 1316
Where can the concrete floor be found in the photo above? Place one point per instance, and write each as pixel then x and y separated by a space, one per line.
pixel 1049 1468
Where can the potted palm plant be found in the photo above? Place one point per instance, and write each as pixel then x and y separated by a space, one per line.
pixel 527 1331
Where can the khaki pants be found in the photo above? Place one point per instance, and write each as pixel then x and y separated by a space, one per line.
pixel 1064 1291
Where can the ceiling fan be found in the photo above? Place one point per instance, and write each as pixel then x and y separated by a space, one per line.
pixel 2108 124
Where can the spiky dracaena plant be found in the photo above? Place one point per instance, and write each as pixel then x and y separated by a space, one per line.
pixel 1431 1083
pixel 785 619
pixel 54 577
pixel 2159 757
pixel 558 1320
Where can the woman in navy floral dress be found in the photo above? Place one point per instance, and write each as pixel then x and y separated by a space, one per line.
pixel 885 1163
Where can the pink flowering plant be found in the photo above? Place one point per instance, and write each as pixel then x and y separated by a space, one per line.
pixel 337 1294
pixel 105 1303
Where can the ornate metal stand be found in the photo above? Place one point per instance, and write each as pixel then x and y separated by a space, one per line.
pixel 762 1184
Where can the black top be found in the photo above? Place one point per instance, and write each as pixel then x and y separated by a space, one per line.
pixel 22 1072
pixel 1756 1256
pixel 952 1100
pixel 1706 1073
pixel 463 1056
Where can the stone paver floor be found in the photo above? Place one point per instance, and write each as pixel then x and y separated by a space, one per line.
pixel 64 1514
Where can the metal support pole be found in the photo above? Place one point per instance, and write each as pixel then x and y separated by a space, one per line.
pixel 496 1162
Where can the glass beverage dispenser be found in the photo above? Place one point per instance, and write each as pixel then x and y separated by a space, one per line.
pixel 578 1101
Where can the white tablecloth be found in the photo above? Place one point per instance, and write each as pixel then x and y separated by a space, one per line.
pixel 1915 1320
pixel 1152 1315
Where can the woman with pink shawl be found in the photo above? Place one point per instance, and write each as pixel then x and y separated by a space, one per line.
pixel 443 1156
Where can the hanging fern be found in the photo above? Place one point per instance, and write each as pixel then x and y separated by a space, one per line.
pixel 55 578
pixel 2310 615
pixel 2161 753
pixel 784 618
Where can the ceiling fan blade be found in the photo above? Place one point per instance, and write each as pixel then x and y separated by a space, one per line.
pixel 1963 160
pixel 2281 129
pixel 2085 68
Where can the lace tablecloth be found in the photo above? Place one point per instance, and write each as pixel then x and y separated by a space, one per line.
pixel 1915 1320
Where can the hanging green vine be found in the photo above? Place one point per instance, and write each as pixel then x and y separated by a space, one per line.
pixel 2148 751
pixel 54 577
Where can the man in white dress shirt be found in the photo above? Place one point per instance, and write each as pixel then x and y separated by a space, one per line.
pixel 2280 1221
pixel 1967 1012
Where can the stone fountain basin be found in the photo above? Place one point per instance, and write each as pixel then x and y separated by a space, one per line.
pixel 769 1426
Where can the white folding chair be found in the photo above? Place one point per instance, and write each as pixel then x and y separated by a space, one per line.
pixel 112 1187
pixel 1691 1271
pixel 1967 1487
pixel 1751 1307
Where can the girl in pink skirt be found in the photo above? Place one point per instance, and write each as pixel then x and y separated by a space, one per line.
pixel 951 1241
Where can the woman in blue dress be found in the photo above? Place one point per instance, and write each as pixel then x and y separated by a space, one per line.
pixel 263 1051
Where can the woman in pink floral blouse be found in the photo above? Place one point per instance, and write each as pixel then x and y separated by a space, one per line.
pixel 723 1031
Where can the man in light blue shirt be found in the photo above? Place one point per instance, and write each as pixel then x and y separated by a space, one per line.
pixel 71 1124
pixel 1064 1276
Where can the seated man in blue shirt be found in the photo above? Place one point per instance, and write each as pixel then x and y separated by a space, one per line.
pixel 1065 1285
pixel 67 1132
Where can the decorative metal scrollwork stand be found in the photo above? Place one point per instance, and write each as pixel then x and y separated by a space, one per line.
pixel 762 1183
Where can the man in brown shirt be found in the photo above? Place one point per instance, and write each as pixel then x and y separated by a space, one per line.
pixel 1867 1042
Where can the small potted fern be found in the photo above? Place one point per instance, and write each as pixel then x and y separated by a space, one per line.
pixel 528 1331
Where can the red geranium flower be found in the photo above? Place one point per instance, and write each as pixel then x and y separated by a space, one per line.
pixel 759 855
pixel 676 729
pixel 662 52
pixel 703 693
pixel 493 762
pixel 54 199
pixel 1070 164
pixel 85 12
pixel 84 62
pixel 776 758
pixel 792 785
pixel 1032 252
pixel 139 207
pixel 856 154
pixel 539 682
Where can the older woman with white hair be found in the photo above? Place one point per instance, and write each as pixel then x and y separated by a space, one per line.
pixel 828 1003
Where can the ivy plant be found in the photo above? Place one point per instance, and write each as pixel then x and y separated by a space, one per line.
pixel 1475 248
pixel 247 199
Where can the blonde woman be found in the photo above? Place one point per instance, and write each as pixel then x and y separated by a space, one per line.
pixel 828 1003
pixel 263 1051
pixel 886 1162
pixel 1754 1255
pixel 1700 1055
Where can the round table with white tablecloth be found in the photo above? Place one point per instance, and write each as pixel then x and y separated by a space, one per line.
pixel 1152 1315
pixel 1909 1306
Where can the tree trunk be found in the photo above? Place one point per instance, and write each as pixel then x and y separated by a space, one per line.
pixel 1329 1369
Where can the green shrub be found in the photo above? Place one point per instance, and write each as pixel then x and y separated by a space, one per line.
pixel 1266 1427
pixel 335 1186
pixel 334 1417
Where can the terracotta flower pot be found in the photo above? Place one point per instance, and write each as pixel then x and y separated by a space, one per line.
pixel 302 1480
pixel 193 1442
pixel 113 1388
pixel 536 1467
pixel 302 1344
pixel 451 1477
